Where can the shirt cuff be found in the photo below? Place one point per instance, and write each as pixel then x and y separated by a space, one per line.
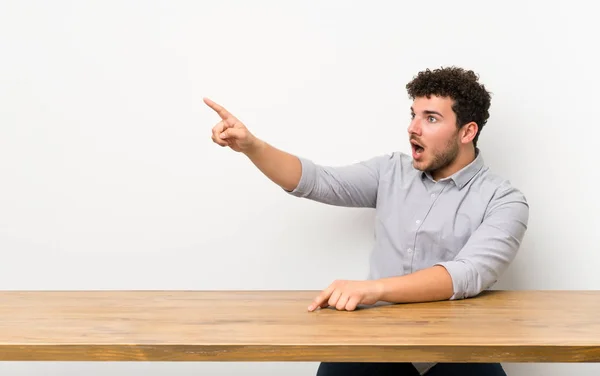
pixel 307 179
pixel 465 279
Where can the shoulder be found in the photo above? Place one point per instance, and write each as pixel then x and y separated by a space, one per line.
pixel 498 186
pixel 501 194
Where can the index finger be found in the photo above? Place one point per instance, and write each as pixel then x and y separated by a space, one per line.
pixel 321 299
pixel 223 113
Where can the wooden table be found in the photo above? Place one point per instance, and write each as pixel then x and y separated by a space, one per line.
pixel 500 326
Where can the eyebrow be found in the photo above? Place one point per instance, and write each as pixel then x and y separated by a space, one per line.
pixel 428 112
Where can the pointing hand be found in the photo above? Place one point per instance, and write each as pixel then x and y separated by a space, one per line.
pixel 230 131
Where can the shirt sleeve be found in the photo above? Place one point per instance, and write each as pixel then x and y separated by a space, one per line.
pixel 353 185
pixel 492 246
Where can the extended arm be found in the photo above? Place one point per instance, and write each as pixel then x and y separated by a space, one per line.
pixel 353 185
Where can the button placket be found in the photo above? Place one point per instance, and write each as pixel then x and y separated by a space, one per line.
pixel 419 222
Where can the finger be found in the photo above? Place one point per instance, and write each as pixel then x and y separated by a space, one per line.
pixel 219 142
pixel 321 299
pixel 221 126
pixel 223 113
pixel 335 296
pixel 232 133
pixel 342 301
pixel 353 302
pixel 217 129
pixel 216 132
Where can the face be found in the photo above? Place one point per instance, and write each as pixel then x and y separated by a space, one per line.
pixel 434 137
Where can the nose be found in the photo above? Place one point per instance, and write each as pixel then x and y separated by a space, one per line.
pixel 414 127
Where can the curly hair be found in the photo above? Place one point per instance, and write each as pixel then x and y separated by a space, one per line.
pixel 471 99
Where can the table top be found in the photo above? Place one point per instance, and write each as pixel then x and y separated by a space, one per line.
pixel 506 326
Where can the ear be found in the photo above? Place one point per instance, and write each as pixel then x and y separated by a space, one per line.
pixel 468 132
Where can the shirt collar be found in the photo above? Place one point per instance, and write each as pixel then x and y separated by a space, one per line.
pixel 463 176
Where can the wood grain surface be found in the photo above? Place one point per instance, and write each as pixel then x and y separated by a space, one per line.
pixel 505 326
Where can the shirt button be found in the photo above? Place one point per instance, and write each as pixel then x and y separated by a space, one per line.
pixel 433 195
pixel 410 250
pixel 418 221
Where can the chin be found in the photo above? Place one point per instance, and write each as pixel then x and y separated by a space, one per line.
pixel 420 166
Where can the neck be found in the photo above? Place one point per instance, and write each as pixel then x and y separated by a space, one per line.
pixel 465 157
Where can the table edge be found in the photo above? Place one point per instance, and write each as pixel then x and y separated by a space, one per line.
pixel 296 353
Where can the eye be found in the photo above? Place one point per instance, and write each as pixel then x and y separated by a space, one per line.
pixel 431 119
pixel 412 115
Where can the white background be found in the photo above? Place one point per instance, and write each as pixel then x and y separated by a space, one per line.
pixel 109 179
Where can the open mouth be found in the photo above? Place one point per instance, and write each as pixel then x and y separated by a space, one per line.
pixel 417 148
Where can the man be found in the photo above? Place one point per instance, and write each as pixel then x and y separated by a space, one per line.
pixel 447 227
